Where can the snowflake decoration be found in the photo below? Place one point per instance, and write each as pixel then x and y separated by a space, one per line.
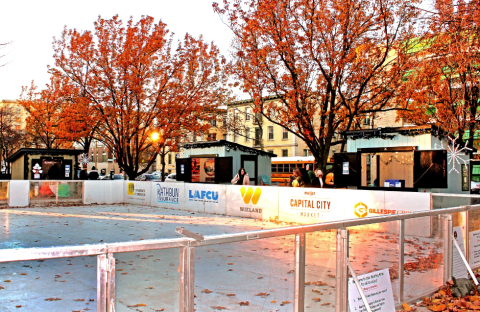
pixel 453 153
pixel 84 159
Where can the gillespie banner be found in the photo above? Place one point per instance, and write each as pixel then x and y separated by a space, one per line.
pixel 311 205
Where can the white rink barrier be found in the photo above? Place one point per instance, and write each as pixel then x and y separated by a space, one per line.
pixel 301 205
pixel 103 192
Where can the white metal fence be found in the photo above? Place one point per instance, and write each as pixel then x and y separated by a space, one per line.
pixel 442 220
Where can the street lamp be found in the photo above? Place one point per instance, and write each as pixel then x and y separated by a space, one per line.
pixel 155 136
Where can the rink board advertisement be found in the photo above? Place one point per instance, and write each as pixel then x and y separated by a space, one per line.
pixel 138 192
pixel 309 205
pixel 205 197
pixel 168 195
pixel 251 201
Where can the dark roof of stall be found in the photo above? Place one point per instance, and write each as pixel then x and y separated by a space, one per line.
pixel 41 151
pixel 232 145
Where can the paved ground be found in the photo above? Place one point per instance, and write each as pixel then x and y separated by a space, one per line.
pixel 260 272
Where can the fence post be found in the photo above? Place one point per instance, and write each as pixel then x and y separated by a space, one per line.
pixel 401 258
pixel 56 194
pixel 101 283
pixel 467 234
pixel 110 283
pixel 341 295
pixel 187 282
pixel 299 297
pixel 447 247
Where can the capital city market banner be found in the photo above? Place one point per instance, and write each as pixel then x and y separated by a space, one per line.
pixel 312 205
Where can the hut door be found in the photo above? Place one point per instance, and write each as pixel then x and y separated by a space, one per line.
pixel 249 162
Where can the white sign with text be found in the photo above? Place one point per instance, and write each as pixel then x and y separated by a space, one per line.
pixel 377 289
pixel 459 269
pixel 475 249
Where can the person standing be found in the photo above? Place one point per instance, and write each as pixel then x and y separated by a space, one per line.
pixel 311 174
pixel 318 179
pixel 93 174
pixel 241 178
pixel 299 178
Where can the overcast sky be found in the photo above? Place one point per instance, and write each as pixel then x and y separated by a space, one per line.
pixel 31 25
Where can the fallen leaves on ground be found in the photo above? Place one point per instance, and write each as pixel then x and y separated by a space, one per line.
pixel 443 300
pixel 137 305
pixel 244 303
pixel 53 299
pixel 206 291
pixel 219 308
pixel 406 307
pixel 262 294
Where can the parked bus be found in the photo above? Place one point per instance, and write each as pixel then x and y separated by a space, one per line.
pixel 282 168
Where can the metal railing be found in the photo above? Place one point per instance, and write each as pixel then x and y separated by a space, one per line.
pixel 187 245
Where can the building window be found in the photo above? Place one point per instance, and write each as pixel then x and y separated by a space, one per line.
pixel 212 137
pixel 270 151
pixel 247 134
pixel 284 152
pixel 366 121
pixel 169 159
pixel 270 132
pixel 235 138
pixel 285 134
pixel 248 112
pixel 258 119
pixel 258 136
pixel 306 152
pixel 213 122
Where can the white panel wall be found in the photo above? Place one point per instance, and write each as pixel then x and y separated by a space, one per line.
pixel 411 203
pixel 195 197
pixel 114 191
pixel 94 192
pixel 168 195
pixel 217 204
pixel 103 192
pixel 18 193
pixel 137 192
pixel 241 201
pixel 309 205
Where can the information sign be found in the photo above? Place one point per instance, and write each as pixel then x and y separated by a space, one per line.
pixel 377 289
pixel 459 270
pixel 475 249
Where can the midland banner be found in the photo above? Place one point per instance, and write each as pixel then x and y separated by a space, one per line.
pixel 252 201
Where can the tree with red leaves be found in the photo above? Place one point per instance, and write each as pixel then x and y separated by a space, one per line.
pixel 329 62
pixel 137 85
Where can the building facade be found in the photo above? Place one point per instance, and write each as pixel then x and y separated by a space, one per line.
pixel 254 130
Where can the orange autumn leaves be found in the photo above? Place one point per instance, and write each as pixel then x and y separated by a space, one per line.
pixel 124 81
pixel 442 86
pixel 326 62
